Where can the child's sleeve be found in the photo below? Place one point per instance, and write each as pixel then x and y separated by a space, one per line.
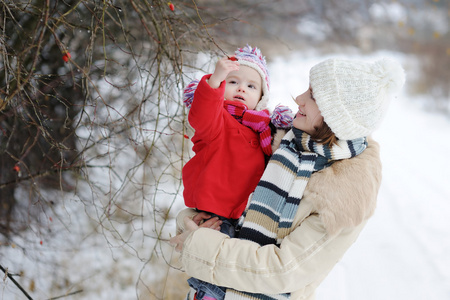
pixel 205 115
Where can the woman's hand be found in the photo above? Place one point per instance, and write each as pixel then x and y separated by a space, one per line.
pixel 178 240
pixel 193 224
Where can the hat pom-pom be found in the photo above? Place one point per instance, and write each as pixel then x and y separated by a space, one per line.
pixel 249 50
pixel 282 117
pixel 188 93
pixel 392 75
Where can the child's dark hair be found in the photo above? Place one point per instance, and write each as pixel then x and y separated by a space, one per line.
pixel 324 135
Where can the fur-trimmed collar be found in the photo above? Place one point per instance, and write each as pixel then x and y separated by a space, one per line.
pixel 344 194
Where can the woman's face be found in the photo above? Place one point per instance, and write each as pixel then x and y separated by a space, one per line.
pixel 308 117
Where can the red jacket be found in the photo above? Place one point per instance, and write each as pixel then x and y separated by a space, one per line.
pixel 228 160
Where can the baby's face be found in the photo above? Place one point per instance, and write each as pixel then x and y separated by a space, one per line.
pixel 244 85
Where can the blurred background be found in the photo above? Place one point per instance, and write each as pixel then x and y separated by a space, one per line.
pixel 93 130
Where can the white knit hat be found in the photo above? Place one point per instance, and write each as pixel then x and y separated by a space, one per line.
pixel 252 57
pixel 353 96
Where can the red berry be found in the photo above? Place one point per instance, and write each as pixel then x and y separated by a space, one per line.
pixel 16 168
pixel 171 6
pixel 233 58
pixel 40 242
pixel 66 56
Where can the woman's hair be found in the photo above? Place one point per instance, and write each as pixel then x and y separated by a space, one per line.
pixel 324 135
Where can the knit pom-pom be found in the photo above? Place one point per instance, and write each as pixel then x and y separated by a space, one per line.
pixel 282 117
pixel 391 74
pixel 249 50
pixel 188 93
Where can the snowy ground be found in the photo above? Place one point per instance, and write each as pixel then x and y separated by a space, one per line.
pixel 403 253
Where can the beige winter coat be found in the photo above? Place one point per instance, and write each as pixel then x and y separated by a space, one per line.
pixel 334 209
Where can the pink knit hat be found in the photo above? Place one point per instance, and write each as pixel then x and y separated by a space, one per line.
pixel 253 58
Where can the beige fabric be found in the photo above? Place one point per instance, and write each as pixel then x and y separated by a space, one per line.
pixel 277 137
pixel 337 202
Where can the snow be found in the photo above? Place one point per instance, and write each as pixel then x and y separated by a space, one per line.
pixel 402 253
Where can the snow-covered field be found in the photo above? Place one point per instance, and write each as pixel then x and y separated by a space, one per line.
pixel 402 254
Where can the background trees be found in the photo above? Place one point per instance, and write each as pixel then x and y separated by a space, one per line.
pixel 108 127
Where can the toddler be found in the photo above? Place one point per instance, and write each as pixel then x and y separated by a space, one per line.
pixel 232 139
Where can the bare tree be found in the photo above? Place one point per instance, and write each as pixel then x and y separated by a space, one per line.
pixel 91 102
pixel 91 106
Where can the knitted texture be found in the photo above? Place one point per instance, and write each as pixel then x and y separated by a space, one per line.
pixel 188 93
pixel 253 58
pixel 277 197
pixel 282 117
pixel 353 96
pixel 281 188
pixel 256 120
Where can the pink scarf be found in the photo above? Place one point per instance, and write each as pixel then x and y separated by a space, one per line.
pixel 257 120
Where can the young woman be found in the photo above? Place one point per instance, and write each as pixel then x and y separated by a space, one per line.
pixel 314 198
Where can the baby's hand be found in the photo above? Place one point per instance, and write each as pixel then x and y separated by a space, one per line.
pixel 203 219
pixel 223 67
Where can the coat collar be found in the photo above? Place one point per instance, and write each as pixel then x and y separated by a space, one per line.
pixel 345 194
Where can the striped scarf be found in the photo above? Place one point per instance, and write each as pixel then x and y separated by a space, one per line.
pixel 257 120
pixel 277 197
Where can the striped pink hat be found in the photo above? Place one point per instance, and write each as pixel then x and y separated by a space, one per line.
pixel 252 57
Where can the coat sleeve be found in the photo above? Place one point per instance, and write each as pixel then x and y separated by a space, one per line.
pixel 310 251
pixel 306 256
pixel 187 212
pixel 206 109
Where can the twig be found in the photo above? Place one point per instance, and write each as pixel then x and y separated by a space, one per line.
pixel 69 294
pixel 206 29
pixel 36 56
pixel 15 282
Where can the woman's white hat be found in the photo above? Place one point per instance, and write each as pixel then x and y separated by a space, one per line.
pixel 353 96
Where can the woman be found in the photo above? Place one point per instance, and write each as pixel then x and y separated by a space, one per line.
pixel 312 201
